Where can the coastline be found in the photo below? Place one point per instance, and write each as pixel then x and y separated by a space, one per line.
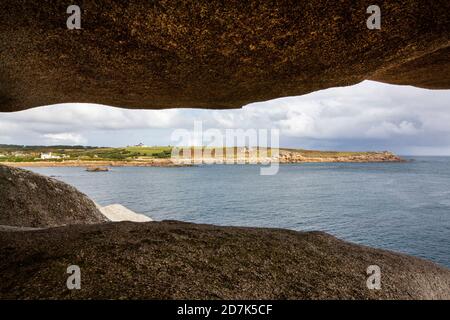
pixel 374 158
pixel 81 163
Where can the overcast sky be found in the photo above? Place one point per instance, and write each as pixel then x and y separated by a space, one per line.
pixel 367 116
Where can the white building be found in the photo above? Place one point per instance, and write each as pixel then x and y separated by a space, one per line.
pixel 47 156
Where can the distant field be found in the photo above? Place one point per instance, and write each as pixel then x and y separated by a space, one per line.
pixel 158 152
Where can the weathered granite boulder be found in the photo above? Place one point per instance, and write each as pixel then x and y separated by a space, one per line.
pixel 175 260
pixel 31 200
pixel 214 54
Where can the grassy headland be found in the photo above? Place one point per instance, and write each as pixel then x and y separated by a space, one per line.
pixel 161 155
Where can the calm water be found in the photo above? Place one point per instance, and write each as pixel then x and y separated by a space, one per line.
pixel 404 207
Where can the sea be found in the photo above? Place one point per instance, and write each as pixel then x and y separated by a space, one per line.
pixel 403 207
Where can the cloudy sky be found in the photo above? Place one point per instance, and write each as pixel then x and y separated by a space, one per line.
pixel 367 116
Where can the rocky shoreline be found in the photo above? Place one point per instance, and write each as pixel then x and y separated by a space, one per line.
pixel 297 157
pixel 177 260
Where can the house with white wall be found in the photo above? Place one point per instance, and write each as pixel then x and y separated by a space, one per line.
pixel 48 156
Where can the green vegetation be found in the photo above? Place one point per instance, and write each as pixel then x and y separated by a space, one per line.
pixel 155 152
pixel 15 153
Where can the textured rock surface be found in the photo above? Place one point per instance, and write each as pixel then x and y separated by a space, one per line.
pixel 186 261
pixel 31 200
pixel 213 54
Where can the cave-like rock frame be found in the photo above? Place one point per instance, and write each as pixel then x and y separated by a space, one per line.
pixel 213 54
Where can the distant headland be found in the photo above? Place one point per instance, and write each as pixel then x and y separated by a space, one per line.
pixel 148 156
